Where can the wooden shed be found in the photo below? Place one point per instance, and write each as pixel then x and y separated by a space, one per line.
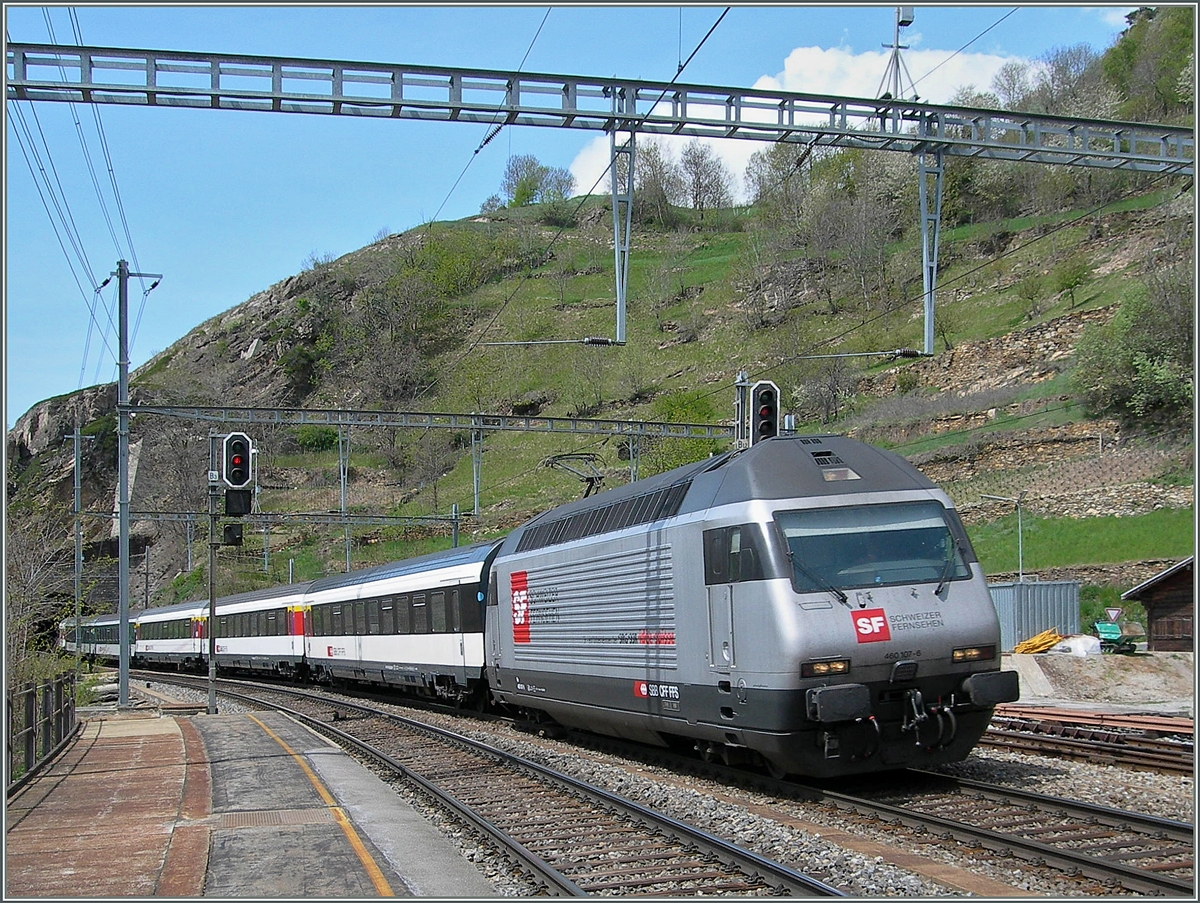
pixel 1169 600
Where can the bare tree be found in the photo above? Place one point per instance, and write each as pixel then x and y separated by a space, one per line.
pixel 707 178
pixel 1011 84
pixel 827 384
pixel 38 581
pixel 659 185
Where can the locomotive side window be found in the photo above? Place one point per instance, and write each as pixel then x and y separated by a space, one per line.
pixel 733 554
pixel 879 545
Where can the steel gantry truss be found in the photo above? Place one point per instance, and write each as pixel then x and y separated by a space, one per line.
pixel 478 424
pixel 47 72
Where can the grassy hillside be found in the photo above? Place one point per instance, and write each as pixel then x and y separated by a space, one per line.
pixel 694 321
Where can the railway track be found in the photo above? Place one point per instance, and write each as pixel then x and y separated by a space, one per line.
pixel 1114 848
pixel 1145 742
pixel 1140 853
pixel 576 839
pixel 1107 847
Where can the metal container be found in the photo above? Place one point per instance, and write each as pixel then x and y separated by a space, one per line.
pixel 1026 609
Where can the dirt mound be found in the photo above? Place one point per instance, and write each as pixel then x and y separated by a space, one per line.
pixel 1160 677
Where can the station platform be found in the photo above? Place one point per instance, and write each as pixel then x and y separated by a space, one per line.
pixel 248 805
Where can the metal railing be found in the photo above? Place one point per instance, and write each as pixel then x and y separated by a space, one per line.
pixel 41 721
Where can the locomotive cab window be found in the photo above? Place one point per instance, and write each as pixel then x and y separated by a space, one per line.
pixel 733 554
pixel 879 545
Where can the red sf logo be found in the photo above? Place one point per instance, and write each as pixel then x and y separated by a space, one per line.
pixel 520 606
pixel 871 626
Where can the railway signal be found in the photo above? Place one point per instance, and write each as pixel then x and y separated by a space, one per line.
pixel 237 474
pixel 764 410
pixel 236 461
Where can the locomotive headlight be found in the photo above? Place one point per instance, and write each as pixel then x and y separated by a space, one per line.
pixel 974 654
pixel 825 668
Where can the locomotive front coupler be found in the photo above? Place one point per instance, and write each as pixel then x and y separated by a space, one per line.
pixel 913 701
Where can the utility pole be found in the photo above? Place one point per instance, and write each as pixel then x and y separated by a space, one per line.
pixel 77 437
pixel 213 542
pixel 123 275
pixel 741 411
pixel 1020 537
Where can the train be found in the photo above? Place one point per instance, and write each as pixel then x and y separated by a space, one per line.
pixel 810 605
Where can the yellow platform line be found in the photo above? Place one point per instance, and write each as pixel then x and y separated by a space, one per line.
pixel 382 887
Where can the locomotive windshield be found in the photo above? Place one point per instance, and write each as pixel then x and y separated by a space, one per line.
pixel 879 545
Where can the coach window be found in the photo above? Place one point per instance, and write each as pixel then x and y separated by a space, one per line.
pixel 403 614
pixel 335 623
pixel 420 614
pixel 454 613
pixel 437 612
pixel 373 617
pixel 272 624
pixel 319 620
pixel 360 618
pixel 387 608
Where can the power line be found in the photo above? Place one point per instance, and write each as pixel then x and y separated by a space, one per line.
pixel 496 125
pixel 900 305
pixel 963 47
pixel 575 213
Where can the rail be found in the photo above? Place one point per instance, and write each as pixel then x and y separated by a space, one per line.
pixel 41 721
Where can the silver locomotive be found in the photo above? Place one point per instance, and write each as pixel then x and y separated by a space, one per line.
pixel 811 603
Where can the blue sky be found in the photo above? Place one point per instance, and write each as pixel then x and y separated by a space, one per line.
pixel 225 204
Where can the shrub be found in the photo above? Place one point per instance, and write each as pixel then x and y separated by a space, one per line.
pixel 314 438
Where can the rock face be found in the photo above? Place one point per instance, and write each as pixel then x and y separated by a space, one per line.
pixel 49 423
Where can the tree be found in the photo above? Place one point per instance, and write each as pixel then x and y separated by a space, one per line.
pixel 1138 366
pixel 526 181
pixel 825 387
pixel 1011 84
pixel 658 185
pixel 707 179
pixel 1146 64
pixel 777 185
pixel 38 582
pixel 1070 274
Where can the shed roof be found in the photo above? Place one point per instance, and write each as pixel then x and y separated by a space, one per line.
pixel 1142 588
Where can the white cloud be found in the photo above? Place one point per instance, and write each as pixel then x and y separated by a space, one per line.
pixel 1115 16
pixel 814 70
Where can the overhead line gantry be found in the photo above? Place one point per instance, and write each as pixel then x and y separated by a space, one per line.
pixel 177 79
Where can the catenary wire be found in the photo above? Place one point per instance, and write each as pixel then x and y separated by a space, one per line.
pixel 495 126
pixel 963 47
pixel 898 308
pixel 562 229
